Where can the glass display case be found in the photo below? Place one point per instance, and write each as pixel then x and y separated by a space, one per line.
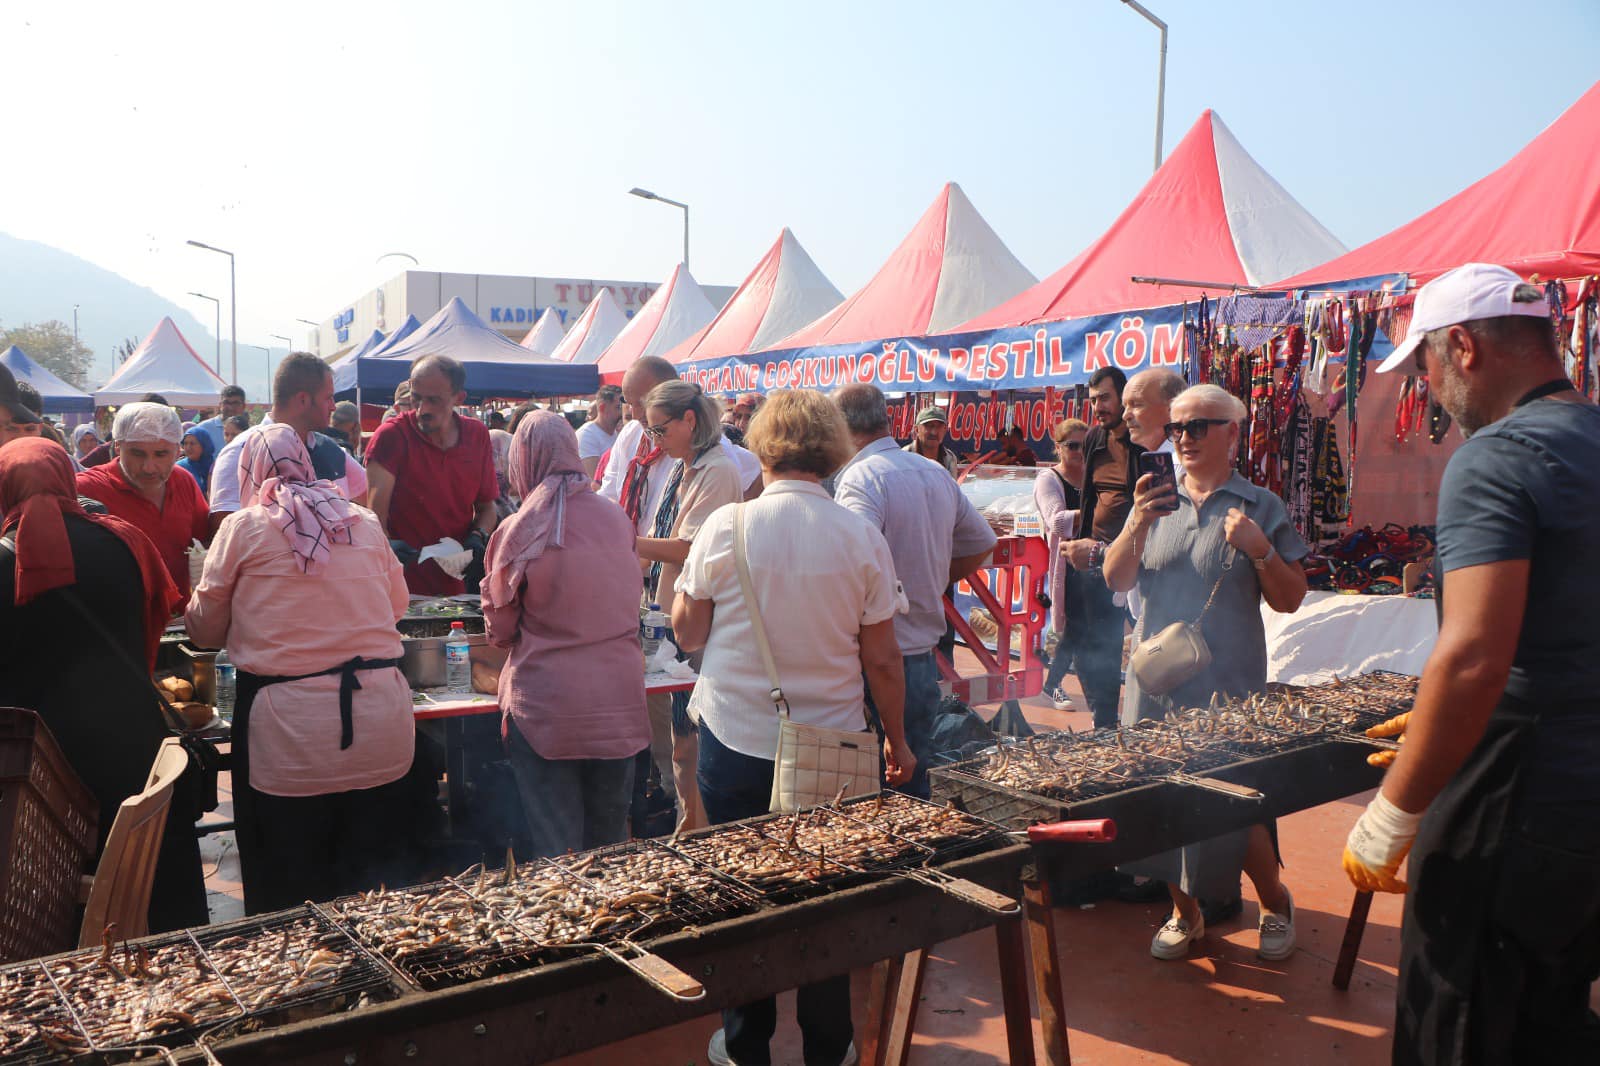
pixel 1003 495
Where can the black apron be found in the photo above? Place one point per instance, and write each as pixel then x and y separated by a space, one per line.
pixel 1492 912
pixel 256 877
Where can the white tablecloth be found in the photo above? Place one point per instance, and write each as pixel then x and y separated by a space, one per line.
pixel 1336 633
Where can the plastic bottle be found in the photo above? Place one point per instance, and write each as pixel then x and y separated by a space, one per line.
pixel 457 660
pixel 225 679
pixel 652 630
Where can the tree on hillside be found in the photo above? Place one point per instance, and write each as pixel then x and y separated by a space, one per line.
pixel 52 345
pixel 125 350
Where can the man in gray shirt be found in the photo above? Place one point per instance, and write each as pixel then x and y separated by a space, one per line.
pixel 935 536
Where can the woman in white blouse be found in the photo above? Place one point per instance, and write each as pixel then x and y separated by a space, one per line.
pixel 1057 493
pixel 824 582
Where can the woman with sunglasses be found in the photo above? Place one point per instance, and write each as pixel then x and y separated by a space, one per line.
pixel 683 422
pixel 1056 493
pixel 1213 538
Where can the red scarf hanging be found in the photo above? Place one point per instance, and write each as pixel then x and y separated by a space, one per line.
pixel 638 476
pixel 36 495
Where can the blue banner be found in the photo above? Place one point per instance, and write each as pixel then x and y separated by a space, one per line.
pixel 1059 354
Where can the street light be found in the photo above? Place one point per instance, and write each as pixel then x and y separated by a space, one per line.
pixel 1161 82
pixel 75 323
pixel 268 352
pixel 316 338
pixel 217 336
pixel 233 309
pixel 646 194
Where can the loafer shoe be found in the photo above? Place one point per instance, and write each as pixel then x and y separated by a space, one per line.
pixel 1173 939
pixel 1277 933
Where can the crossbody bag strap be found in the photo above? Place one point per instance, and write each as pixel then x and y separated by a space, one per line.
pixel 1227 564
pixel 742 563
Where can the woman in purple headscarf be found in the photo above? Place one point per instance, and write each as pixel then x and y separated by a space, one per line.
pixel 561 591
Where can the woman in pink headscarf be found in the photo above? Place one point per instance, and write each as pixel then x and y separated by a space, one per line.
pixel 302 589
pixel 561 591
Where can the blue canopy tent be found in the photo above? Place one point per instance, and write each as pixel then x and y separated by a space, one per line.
pixel 495 364
pixel 344 367
pixel 58 396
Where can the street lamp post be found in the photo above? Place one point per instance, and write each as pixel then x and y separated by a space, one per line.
pixel 233 309
pixel 288 343
pixel 75 323
pixel 1161 78
pixel 217 336
pixel 268 353
pixel 316 338
pixel 646 194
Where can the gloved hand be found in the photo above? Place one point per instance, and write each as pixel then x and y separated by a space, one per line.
pixel 1378 844
pixel 477 542
pixel 1394 727
pixel 404 552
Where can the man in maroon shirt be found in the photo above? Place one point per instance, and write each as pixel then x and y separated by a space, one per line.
pixel 431 475
pixel 142 485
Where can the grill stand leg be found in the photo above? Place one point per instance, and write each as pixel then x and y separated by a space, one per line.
pixel 1046 972
pixel 904 991
pixel 883 981
pixel 1354 928
pixel 1014 991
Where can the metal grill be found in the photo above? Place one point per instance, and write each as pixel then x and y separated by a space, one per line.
pixel 1355 704
pixel 948 832
pixel 689 894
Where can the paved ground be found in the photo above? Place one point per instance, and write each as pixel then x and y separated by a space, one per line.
pixel 1221 1006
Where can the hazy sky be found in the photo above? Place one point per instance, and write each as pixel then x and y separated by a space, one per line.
pixel 502 137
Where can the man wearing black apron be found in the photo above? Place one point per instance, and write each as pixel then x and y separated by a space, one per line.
pixel 1496 792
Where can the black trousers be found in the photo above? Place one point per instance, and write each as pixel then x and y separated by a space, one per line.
pixel 1099 649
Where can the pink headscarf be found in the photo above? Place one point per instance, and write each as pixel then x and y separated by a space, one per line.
pixel 275 473
pixel 545 470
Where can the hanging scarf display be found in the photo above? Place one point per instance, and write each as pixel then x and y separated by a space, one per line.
pixel 1330 496
pixel 1298 463
pixel 1262 460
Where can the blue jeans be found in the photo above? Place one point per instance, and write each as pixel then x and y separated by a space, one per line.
pixel 733 786
pixel 921 711
pixel 571 804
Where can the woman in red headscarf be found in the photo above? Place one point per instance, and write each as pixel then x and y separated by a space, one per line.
pixel 83 602
pixel 561 591
pixel 322 726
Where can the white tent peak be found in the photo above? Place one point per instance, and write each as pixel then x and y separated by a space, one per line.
pixel 672 315
pixel 164 363
pixel 594 330
pixel 546 333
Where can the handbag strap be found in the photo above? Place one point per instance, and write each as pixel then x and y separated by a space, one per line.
pixel 742 564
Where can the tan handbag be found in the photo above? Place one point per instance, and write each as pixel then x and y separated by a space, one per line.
pixel 813 764
pixel 1179 652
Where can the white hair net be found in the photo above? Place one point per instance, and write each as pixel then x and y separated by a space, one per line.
pixel 147 422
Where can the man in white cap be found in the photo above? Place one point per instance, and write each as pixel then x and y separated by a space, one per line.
pixel 1496 792
pixel 141 486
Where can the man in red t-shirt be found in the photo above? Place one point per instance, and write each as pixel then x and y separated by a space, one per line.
pixel 142 485
pixel 431 475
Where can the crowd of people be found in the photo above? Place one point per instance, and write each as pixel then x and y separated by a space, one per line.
pixel 655 500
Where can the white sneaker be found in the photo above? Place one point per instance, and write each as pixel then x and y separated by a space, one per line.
pixel 1277 933
pixel 1173 939
pixel 1061 701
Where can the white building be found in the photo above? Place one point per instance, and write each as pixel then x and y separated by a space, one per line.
pixel 508 303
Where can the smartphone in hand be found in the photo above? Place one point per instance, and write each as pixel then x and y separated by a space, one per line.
pixel 1159 465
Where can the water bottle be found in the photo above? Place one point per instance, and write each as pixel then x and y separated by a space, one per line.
pixel 457 660
pixel 651 630
pixel 225 679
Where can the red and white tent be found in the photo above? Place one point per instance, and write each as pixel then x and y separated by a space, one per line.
pixel 593 332
pixel 166 364
pixel 950 267
pixel 545 336
pixel 784 292
pixel 673 314
pixel 1539 213
pixel 1210 213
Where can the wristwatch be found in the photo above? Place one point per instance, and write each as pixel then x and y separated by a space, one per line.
pixel 1261 563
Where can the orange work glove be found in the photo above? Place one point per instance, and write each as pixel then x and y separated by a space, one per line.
pixel 1378 844
pixel 1394 727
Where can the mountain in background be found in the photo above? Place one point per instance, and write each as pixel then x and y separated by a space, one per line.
pixel 39 283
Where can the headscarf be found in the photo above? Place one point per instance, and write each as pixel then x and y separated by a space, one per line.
pixel 147 422
pixel 500 444
pixel 201 469
pixel 85 430
pixel 275 474
pixel 36 495
pixel 545 471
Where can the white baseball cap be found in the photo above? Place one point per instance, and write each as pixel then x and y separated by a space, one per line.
pixel 1465 294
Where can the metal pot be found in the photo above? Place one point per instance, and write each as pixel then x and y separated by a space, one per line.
pixel 422 659
pixel 201 667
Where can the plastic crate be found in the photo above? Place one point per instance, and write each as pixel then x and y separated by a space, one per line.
pixel 47 837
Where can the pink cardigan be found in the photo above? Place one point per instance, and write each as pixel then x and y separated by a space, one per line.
pixel 1060 525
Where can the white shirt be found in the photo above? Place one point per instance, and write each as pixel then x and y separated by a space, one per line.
pixel 594 441
pixel 928 523
pixel 225 474
pixel 626 445
pixel 820 574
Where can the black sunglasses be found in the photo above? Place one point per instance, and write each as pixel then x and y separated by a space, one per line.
pixel 1072 445
pixel 658 432
pixel 1196 428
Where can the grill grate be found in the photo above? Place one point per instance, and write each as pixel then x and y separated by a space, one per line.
pixel 689 894
pixel 35 1024
pixel 949 833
